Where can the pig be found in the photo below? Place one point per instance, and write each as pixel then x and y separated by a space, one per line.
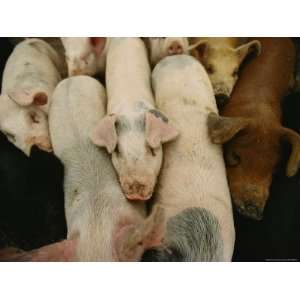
pixel 85 55
pixel 105 226
pixel 133 130
pixel 276 237
pixel 250 126
pixel 160 47
pixel 222 57
pixel 192 188
pixel 29 78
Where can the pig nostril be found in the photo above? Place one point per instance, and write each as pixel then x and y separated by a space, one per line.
pixel 250 210
pixel 221 99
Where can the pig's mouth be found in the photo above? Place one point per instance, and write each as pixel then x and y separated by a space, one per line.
pixel 138 197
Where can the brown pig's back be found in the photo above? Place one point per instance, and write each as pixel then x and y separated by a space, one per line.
pixel 263 80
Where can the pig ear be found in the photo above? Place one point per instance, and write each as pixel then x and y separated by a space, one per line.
pixel 133 240
pixel 294 161
pixel 105 135
pixel 199 48
pixel 98 44
pixel 40 98
pixel 158 131
pixel 251 47
pixel 223 129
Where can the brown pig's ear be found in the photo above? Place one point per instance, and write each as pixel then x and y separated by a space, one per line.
pixel 133 240
pixel 98 44
pixel 199 48
pixel 158 130
pixel 223 129
pixel 294 161
pixel 105 134
pixel 251 47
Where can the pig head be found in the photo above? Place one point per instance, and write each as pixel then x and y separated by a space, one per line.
pixel 136 147
pixel 160 47
pixel 25 125
pixel 252 151
pixel 83 54
pixel 222 62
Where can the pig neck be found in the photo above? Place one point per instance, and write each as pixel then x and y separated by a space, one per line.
pixel 127 75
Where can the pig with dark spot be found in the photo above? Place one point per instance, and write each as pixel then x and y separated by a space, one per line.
pixel 133 131
pixel 103 224
pixel 29 78
pixel 250 126
pixel 222 57
pixel 192 187
pixel 85 55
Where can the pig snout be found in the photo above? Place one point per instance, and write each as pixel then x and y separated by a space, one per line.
pixel 222 92
pixel 252 202
pixel 137 188
pixel 221 99
pixel 76 72
pixel 175 48
pixel 41 142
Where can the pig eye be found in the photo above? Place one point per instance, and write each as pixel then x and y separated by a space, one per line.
pixel 235 72
pixel 210 69
pixel 233 159
pixel 151 150
pixel 117 151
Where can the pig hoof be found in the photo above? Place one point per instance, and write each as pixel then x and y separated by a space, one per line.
pixel 251 211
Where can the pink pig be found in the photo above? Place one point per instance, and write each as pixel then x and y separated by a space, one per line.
pixel 133 130
pixel 29 78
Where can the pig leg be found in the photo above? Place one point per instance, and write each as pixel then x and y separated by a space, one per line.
pixel 61 251
pixel 192 235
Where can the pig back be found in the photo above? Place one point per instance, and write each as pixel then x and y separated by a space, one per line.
pixel 127 72
pixel 78 103
pixel 267 76
pixel 193 173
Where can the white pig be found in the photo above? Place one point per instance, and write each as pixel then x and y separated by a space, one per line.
pixel 85 55
pixel 29 78
pixel 104 224
pixel 133 131
pixel 193 188
pixel 160 47
pixel 222 57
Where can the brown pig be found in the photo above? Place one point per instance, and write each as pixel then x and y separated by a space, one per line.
pixel 251 127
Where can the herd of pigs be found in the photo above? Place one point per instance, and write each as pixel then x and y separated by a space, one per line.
pixel 137 127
